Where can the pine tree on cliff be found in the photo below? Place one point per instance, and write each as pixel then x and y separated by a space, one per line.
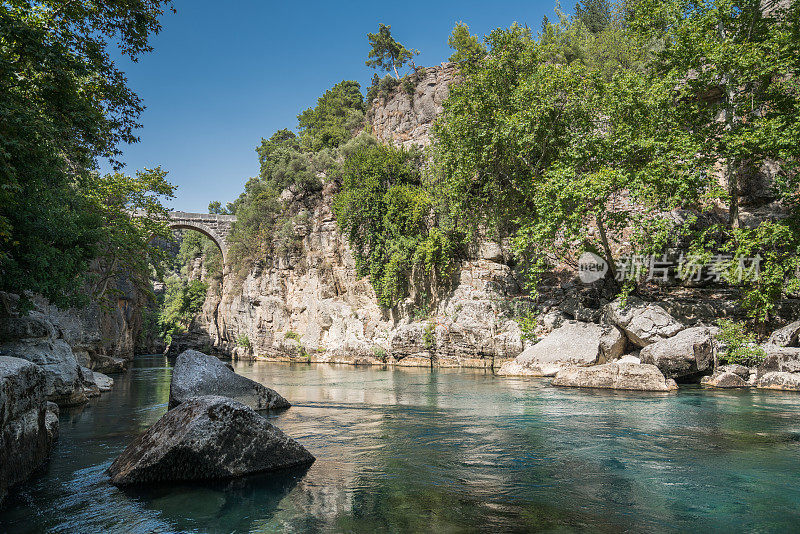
pixel 386 53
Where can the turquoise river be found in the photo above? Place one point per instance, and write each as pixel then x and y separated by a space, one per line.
pixel 410 450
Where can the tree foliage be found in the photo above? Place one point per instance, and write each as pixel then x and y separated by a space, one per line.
pixel 338 114
pixel 386 53
pixel 385 211
pixel 63 105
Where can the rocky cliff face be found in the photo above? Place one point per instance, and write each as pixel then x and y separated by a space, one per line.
pixel 404 118
pixel 310 304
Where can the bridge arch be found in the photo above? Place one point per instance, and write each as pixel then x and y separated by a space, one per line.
pixel 215 227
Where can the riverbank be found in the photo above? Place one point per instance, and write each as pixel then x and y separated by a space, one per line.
pixel 454 449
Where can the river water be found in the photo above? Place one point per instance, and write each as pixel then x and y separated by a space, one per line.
pixel 447 451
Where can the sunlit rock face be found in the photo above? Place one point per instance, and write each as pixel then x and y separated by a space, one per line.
pixel 404 118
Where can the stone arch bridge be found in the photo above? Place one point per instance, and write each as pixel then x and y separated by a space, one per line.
pixel 215 227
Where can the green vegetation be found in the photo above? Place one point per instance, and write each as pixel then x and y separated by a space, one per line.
pixel 619 106
pixel 292 335
pixel 386 53
pixel 243 341
pixel 740 347
pixel 387 215
pixel 182 301
pixel 338 114
pixel 64 105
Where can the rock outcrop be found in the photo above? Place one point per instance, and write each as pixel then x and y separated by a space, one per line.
pixel 644 323
pixel 782 359
pixel 196 374
pixel 37 340
pixel 724 380
pixel 572 344
pixel 625 376
pixel 28 423
pixel 206 438
pixel 405 117
pixel 780 380
pixel 686 354
pixel 786 336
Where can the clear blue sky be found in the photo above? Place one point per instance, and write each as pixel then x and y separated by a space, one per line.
pixel 225 74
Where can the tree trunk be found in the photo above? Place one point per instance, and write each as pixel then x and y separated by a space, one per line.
pixel 607 248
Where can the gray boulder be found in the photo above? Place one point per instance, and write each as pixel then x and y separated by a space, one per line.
pixel 786 336
pixel 104 382
pixel 27 428
pixel 644 323
pixel 782 359
pixel 571 344
pixel 205 438
pixel 735 368
pixel 780 380
pixel 687 353
pixel 196 374
pixel 37 340
pixel 724 380
pixel 625 376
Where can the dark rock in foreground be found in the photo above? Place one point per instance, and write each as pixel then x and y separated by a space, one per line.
pixel 28 423
pixel 207 438
pixel 197 374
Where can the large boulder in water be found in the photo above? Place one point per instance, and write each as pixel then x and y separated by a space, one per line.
pixel 207 438
pixel 688 353
pixel 28 423
pixel 643 322
pixel 780 380
pixel 572 344
pixel 627 376
pixel 196 374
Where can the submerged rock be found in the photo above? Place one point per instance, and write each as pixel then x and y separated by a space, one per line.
pixel 724 380
pixel 572 344
pixel 28 423
pixel 196 374
pixel 780 380
pixel 644 323
pixel 687 353
pixel 626 376
pixel 205 438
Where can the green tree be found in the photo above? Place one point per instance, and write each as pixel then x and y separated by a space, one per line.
pixel 215 207
pixel 468 48
pixel 63 105
pixel 338 113
pixel 386 53
pixel 594 14
pixel 735 109
pixel 552 147
pixel 132 215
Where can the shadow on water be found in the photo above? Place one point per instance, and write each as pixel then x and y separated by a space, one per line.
pixel 218 506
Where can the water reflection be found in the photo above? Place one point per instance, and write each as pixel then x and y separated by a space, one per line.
pixel 454 450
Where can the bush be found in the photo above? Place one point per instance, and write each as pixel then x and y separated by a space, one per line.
pixel 386 214
pixel 739 346
pixel 293 335
pixel 243 341
pixel 182 301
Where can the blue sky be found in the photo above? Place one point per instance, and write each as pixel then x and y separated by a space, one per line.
pixel 225 74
